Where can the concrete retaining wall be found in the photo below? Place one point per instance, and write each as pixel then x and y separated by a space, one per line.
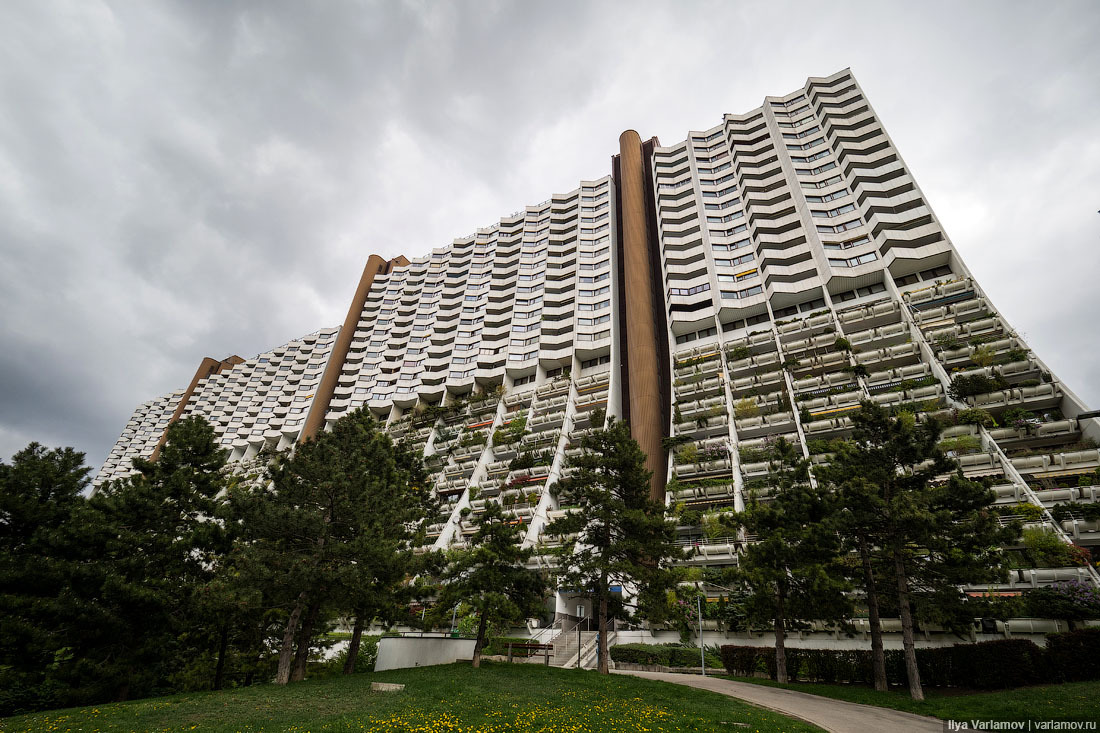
pixel 398 652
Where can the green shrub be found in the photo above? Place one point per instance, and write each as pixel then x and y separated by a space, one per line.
pixel 975 416
pixel 963 386
pixel 1074 655
pixel 985 665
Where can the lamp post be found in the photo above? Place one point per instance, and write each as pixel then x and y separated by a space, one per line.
pixel 702 650
pixel 699 610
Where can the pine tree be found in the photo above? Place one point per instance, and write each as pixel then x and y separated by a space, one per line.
pixel 155 541
pixel 491 575
pixel 39 492
pixel 332 526
pixel 919 537
pixel 792 568
pixel 622 536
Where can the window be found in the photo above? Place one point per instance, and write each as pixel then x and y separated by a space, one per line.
pixel 728 217
pixel 854 261
pixel 851 242
pixel 592 293
pixel 730 247
pixel 735 261
pixel 833 212
pixel 519 381
pixel 689 291
pixel 728 232
pixel 750 274
pixel 738 294
pixel 825 229
pixel 827 197
pixel 814 171
pixel 595 362
pixel 593 321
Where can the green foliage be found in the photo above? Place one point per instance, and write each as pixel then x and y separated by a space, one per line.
pixel 985 665
pixel 1029 512
pixel 1047 550
pixel 982 356
pixel 491 576
pixel 963 385
pixel 669 655
pixel 333 525
pixel 946 342
pixel 738 352
pixel 622 535
pixel 975 416
pixel 746 408
pixel 927 539
pixel 470 439
pixel 510 432
pixel 517 698
pixel 40 494
pixel 1070 600
pixel 961 444
pixel 792 570
pixel 842 344
pixel 1075 655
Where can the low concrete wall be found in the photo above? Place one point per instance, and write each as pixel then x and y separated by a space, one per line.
pixel 398 652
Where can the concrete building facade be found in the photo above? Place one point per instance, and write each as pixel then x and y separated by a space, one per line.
pixel 755 280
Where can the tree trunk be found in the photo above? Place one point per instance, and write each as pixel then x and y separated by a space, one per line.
pixel 780 634
pixel 911 670
pixel 305 635
pixel 286 651
pixel 353 645
pixel 481 623
pixel 878 654
pixel 223 647
pixel 601 641
pixel 122 692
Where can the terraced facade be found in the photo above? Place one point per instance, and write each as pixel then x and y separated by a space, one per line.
pixel 788 265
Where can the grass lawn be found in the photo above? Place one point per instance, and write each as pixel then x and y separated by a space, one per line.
pixel 1077 701
pixel 497 698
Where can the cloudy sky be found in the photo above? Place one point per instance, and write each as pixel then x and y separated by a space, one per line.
pixel 183 179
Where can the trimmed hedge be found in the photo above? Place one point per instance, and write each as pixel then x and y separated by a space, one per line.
pixel 1074 656
pixel 669 656
pixel 987 665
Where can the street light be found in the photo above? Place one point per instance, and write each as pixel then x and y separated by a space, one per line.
pixel 699 610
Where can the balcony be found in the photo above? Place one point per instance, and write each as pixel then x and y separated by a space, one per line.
pixel 764 382
pixel 938 295
pixel 806 328
pixel 754 365
pixel 889 357
pixel 753 427
pixel 698 386
pixel 1042 397
pixel 869 316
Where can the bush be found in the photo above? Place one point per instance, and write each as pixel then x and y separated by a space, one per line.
pixel 668 655
pixel 975 416
pixel 963 386
pixel 1074 655
pixel 985 665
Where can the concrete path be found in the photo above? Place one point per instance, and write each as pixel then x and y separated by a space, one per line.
pixel 836 716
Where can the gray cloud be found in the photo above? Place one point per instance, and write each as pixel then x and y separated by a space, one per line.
pixel 181 179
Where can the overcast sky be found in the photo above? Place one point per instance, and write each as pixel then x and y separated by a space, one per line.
pixel 184 179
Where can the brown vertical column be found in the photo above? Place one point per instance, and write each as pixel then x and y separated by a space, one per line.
pixel 207 367
pixel 644 394
pixel 315 420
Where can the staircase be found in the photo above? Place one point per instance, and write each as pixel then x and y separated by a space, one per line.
pixel 565 647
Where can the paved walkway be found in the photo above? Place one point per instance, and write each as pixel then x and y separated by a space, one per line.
pixel 836 716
